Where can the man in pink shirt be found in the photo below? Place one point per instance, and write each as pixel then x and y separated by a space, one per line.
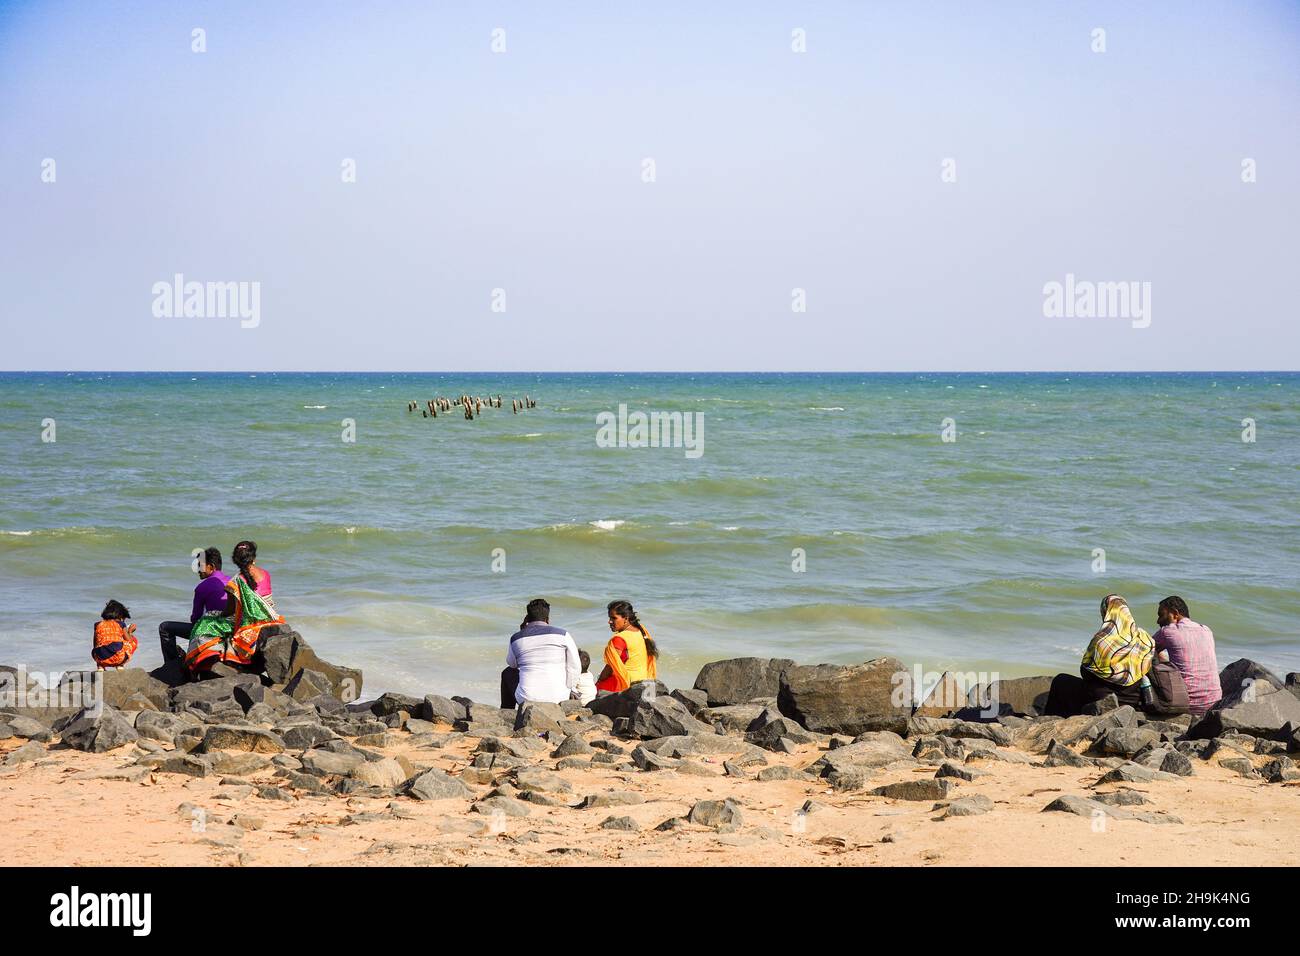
pixel 1189 647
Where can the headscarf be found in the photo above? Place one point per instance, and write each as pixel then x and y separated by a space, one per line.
pixel 1121 652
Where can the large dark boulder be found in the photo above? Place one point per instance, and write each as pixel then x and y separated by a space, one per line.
pixel 1022 696
pixel 663 716
pixel 98 731
pixel 741 679
pixel 437 707
pixel 624 702
pixel 1266 715
pixel 845 698
pixel 1242 679
pixel 217 690
pixel 118 686
pixel 287 652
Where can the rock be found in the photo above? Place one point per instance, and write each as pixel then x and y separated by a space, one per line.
pixel 1176 763
pixel 733 717
pixel 944 699
pixel 1134 773
pixel 1121 798
pixel 959 773
pixel 287 653
pixel 1059 755
pixel 501 805
pixel 1126 741
pixel 186 764
pixel 539 717
pixel 380 773
pixel 275 793
pixel 239 763
pixel 877 750
pixel 210 692
pixel 29 728
pixel 612 798
pixel 693 700
pixel 782 773
pixel 323 763
pixel 721 815
pixel 851 778
pixel 1243 679
pixel 308 684
pixel 436 785
pixel 27 753
pixel 832 698
pixel 1026 696
pixel 663 717
pixel 119 686
pixel 1238 765
pixel 780 735
pixel 971 730
pixel 573 746
pixel 733 769
pixel 1080 806
pixel 1280 770
pixel 97 733
pixel 250 695
pixel 305 736
pixel 695 769
pixel 1102 705
pixel 251 739
pixel 1266 715
pixel 444 709
pixel 922 788
pixel 741 679
pixel 389 704
pixel 969 806
pixel 647 760
pixel 620 823
pixel 625 702
pixel 541 780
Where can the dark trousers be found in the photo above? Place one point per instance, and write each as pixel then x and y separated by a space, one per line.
pixel 1069 694
pixel 169 632
pixel 509 683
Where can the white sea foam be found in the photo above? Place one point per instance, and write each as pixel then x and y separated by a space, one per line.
pixel 605 524
pixel 20 534
pixel 826 408
pixel 315 406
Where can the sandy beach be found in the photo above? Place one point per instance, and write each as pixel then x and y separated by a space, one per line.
pixel 71 808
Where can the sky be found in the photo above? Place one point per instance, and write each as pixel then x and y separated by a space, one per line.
pixel 501 216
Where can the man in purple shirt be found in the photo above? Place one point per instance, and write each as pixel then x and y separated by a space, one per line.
pixel 1189 647
pixel 209 595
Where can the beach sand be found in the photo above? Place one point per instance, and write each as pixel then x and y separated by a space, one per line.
pixel 51 817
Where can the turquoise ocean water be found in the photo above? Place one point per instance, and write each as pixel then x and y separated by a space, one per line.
pixel 975 555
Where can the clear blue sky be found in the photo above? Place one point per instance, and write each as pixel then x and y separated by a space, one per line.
pixel 775 170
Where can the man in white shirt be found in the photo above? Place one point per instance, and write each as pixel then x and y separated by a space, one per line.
pixel 546 657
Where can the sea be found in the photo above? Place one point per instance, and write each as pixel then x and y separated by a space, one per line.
pixel 968 522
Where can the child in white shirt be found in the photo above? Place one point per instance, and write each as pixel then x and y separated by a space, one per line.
pixel 585 691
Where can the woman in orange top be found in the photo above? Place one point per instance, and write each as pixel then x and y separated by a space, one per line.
pixel 631 655
pixel 114 640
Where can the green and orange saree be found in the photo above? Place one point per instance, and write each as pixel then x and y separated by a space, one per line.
pixel 233 639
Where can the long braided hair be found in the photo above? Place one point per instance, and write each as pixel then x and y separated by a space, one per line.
pixel 244 555
pixel 624 609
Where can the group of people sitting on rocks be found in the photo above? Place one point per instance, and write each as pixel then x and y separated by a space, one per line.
pixel 225 625
pixel 1173 671
pixel 544 665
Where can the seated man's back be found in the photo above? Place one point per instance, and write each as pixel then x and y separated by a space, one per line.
pixel 1190 647
pixel 547 660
